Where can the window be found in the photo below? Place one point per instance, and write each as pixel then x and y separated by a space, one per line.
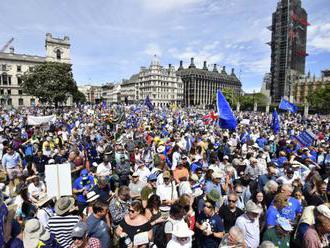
pixel 3 67
pixel 9 80
pixel 20 101
pixel 10 101
pixel 20 92
pixel 58 54
pixel 19 80
pixel 4 79
pixel 30 68
pixel 32 102
pixel 9 92
pixel 2 92
pixel 19 68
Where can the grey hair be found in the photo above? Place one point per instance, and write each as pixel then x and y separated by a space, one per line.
pixel 267 244
pixel 288 186
pixel 270 184
pixel 237 232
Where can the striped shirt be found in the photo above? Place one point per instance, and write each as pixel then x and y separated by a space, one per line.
pixel 61 227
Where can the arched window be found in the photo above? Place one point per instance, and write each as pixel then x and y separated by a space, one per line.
pixel 58 54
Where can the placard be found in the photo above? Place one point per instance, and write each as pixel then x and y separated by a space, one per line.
pixel 58 180
pixel 39 120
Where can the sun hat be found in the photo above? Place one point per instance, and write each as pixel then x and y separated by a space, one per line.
pixel 217 174
pixel 92 196
pixel 213 195
pixel 42 201
pixel 135 174
pixel 79 230
pixel 166 174
pixel 284 224
pixel 33 232
pixel 225 157
pixel 181 230
pixel 63 205
pixel 324 210
pixel 252 207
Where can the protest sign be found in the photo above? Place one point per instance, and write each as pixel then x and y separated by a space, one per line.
pixel 58 180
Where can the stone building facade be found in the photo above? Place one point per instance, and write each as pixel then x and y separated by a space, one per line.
pixel 162 85
pixel 200 85
pixel 14 65
pixel 308 84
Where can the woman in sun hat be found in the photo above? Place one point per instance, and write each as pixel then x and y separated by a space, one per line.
pixel 181 236
pixel 35 235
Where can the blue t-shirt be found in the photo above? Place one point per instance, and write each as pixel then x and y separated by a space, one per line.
pixel 216 226
pixel 272 215
pixel 79 184
pixel 293 208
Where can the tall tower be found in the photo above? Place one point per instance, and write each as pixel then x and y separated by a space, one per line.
pixel 58 50
pixel 288 47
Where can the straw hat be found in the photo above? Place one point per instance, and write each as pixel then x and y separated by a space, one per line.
pixel 181 230
pixel 92 196
pixel 33 232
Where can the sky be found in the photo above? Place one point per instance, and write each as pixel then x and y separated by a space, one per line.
pixel 112 39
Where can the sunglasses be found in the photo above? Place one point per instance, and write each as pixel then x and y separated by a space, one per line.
pixel 131 211
pixel 208 206
pixel 77 238
pixel 232 200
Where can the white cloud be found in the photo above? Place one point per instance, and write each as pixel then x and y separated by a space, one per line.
pixel 319 37
pixel 166 5
pixel 153 49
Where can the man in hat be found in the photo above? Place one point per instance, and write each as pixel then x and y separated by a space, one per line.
pixel 136 186
pixel 280 234
pixel 249 224
pixel 167 192
pixel 181 236
pixel 81 239
pixel 215 183
pixel 213 196
pixel 149 189
pixel 81 186
pixel 62 224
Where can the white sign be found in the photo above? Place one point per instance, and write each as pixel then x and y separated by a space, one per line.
pixel 245 121
pixel 39 120
pixel 58 180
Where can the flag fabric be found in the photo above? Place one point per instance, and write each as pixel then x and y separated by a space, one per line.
pixel 286 105
pixel 305 138
pixel 275 122
pixel 104 104
pixel 226 117
pixel 148 103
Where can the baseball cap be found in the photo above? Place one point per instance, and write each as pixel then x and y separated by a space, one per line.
pixel 79 230
pixel 135 174
pixel 225 157
pixel 324 210
pixel 84 174
pixel 252 207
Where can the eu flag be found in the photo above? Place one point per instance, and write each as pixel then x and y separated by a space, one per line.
pixel 275 122
pixel 226 117
pixel 148 103
pixel 286 105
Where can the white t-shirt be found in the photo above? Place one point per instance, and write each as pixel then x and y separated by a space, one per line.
pixel 104 169
pixel 167 192
pixel 185 188
pixel 36 190
pixel 143 173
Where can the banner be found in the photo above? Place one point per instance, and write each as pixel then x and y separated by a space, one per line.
pixel 58 180
pixel 40 120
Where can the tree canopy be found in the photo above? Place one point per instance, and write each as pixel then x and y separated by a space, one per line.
pixel 320 98
pixel 50 82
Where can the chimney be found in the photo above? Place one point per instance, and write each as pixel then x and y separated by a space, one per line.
pixel 224 70
pixel 205 66
pixel 169 66
pixel 232 71
pixel 181 66
pixel 11 49
pixel 215 68
pixel 192 65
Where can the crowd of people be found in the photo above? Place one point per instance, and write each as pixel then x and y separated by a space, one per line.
pixel 168 177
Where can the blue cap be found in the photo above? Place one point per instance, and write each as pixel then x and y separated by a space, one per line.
pixel 284 224
pixel 152 177
pixel 84 174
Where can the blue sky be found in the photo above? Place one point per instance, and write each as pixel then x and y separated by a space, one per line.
pixel 111 39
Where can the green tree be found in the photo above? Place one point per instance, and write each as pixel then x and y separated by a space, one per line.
pixel 50 82
pixel 79 97
pixel 320 98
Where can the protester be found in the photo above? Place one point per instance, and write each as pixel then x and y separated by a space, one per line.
pixel 81 239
